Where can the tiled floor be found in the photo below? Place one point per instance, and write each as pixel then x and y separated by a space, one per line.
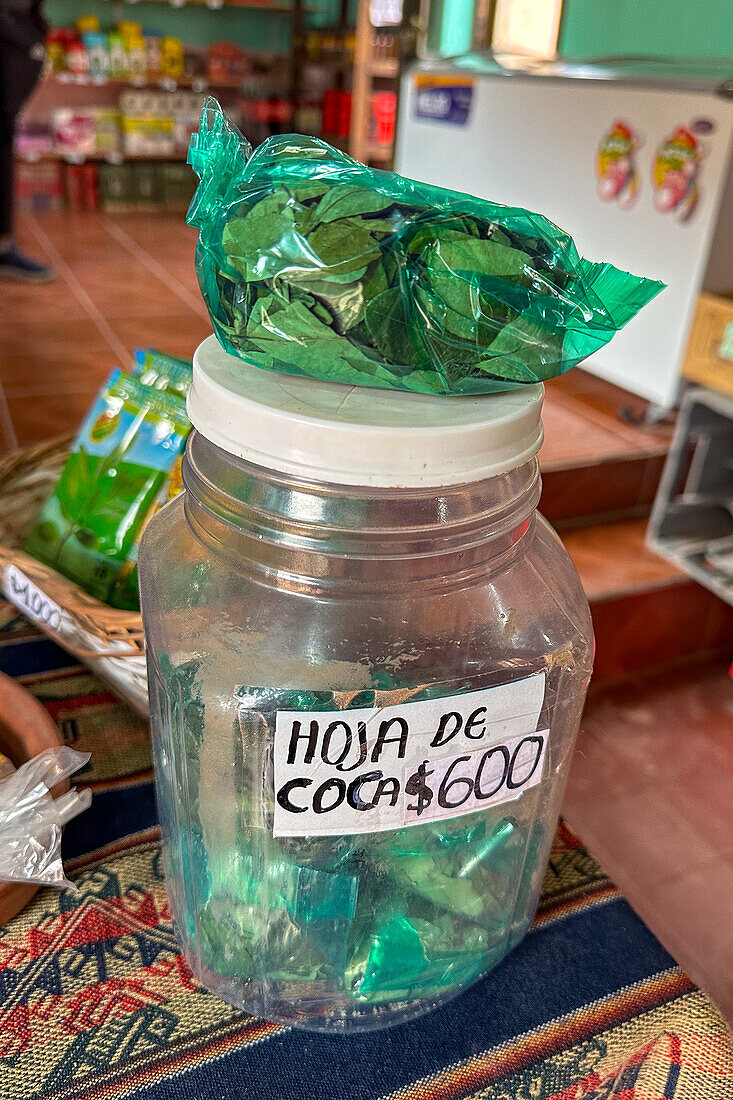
pixel 652 784
pixel 651 793
pixel 121 285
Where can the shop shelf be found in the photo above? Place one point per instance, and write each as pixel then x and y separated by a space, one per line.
pixel 214 5
pixel 164 84
pixel 98 158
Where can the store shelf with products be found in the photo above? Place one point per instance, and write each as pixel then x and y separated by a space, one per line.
pixel 164 84
pixel 121 94
pixel 99 158
pixel 213 5
pixel 135 184
pixel 88 55
pixel 96 65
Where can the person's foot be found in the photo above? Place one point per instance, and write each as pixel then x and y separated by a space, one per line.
pixel 14 264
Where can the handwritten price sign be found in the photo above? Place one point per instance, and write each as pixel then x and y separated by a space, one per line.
pixel 471 781
pixel 30 600
pixel 372 769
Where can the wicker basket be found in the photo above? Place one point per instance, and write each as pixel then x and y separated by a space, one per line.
pixel 109 641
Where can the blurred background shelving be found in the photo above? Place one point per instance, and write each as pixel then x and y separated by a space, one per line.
pixel 125 81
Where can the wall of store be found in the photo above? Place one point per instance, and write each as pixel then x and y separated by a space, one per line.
pixel 194 23
pixel 592 28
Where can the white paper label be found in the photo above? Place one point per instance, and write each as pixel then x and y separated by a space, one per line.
pixel 371 769
pixel 29 599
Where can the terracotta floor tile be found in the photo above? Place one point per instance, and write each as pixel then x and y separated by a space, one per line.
pixel 650 838
pixel 177 335
pixel 595 757
pixel 38 418
pixel 71 344
pixel 693 913
pixel 39 304
pixel 702 793
pixel 132 296
pixel 667 839
pixel 88 368
pixel 665 728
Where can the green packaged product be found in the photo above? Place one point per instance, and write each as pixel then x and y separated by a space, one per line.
pixel 311 263
pixel 163 372
pixel 124 463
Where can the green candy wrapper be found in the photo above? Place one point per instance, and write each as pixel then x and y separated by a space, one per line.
pixel 314 264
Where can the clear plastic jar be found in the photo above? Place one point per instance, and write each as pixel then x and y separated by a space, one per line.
pixel 363 697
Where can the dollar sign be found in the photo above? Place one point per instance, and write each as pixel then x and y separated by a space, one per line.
pixel 416 785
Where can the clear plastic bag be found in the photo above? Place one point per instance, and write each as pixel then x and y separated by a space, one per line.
pixel 31 821
pixel 311 263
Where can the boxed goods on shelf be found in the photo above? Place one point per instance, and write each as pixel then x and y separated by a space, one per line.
pixel 384 114
pixel 73 131
pixel 33 139
pixel 147 187
pixel 82 186
pixel 86 52
pixel 172 58
pixel 158 123
pixel 85 131
pixel 106 130
pixel 178 184
pixel 97 49
pixel 147 127
pixel 128 188
pixel 709 358
pixel 116 188
pixel 226 64
pixel 185 110
pixel 38 187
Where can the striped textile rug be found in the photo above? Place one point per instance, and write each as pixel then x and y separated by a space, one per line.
pixel 97 1002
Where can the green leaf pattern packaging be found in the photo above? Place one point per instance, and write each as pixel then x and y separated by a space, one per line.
pixel 124 463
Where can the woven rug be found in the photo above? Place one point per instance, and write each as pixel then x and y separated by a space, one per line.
pixel 96 1001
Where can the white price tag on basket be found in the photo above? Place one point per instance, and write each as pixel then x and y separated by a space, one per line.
pixel 29 599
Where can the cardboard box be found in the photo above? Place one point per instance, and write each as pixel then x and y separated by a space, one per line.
pixel 116 188
pixel 179 182
pixel 39 187
pixel 147 187
pixel 709 358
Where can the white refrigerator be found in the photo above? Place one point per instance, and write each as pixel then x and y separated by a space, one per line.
pixel 633 159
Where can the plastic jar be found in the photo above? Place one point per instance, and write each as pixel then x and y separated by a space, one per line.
pixel 367 658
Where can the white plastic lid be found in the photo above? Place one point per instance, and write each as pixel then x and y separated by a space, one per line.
pixel 325 431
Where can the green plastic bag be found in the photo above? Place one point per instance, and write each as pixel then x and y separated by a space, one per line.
pixel 313 264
